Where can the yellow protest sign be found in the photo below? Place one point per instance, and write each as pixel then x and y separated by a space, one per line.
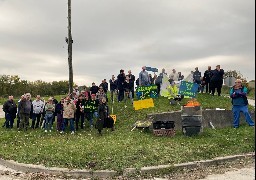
pixel 141 104
pixel 114 117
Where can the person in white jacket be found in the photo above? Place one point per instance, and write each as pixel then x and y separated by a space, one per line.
pixel 38 107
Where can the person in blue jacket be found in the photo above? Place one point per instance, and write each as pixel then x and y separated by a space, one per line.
pixel 238 93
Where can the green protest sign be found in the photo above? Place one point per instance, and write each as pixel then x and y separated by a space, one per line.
pixel 144 92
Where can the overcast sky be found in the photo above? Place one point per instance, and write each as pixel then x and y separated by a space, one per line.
pixel 110 35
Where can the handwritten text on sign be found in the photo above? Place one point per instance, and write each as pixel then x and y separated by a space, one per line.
pixel 144 92
pixel 188 89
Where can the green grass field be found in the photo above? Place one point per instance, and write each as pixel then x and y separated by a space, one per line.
pixel 124 148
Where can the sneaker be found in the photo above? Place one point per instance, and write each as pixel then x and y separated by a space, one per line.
pixel 45 131
pixel 61 132
pixel 50 130
pixel 72 132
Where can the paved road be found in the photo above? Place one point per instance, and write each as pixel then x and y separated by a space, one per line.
pixel 247 173
pixel 239 174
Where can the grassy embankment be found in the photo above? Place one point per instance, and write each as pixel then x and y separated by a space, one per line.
pixel 124 148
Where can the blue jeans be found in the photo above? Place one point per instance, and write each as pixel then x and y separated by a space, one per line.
pixel 236 112
pixel 95 114
pixel 48 121
pixel 72 128
pixel 89 117
pixel 9 120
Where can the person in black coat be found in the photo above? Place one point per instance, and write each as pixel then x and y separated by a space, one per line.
pixel 10 109
pixel 104 120
pixel 128 87
pixel 207 78
pixel 132 80
pixel 79 113
pixel 217 80
pixel 120 85
pixel 113 87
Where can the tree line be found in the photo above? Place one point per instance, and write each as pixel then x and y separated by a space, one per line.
pixel 13 85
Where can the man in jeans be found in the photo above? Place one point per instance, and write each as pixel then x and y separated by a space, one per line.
pixel 38 107
pixel 10 109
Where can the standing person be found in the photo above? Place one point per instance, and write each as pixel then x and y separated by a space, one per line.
pixel 174 76
pixel 104 119
pixel 94 89
pixel 144 77
pixel 207 77
pixel 181 77
pixel 113 87
pixel 132 80
pixel 197 77
pixel 55 102
pixel 18 113
pixel 158 80
pixel 202 84
pixel 49 114
pixel 128 85
pixel 105 86
pixel 120 85
pixel 10 109
pixel 69 109
pixel 25 110
pixel 238 93
pixel 59 111
pixel 94 103
pixel 38 107
pixel 217 79
pixel 101 94
pixel 87 108
pixel 79 113
pixel 151 80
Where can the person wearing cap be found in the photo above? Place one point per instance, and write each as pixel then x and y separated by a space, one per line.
pixel 69 109
pixel 238 93
pixel 217 80
pixel 49 110
pixel 144 77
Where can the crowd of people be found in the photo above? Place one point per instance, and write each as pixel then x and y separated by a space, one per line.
pixel 91 103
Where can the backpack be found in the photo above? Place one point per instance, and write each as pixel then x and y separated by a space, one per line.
pixel 244 97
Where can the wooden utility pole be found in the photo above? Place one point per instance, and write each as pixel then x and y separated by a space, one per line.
pixel 70 41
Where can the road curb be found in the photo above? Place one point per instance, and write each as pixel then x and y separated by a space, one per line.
pixel 152 170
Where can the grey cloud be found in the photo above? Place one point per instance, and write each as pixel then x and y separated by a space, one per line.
pixel 110 35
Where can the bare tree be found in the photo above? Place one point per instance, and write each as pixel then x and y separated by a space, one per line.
pixel 69 40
